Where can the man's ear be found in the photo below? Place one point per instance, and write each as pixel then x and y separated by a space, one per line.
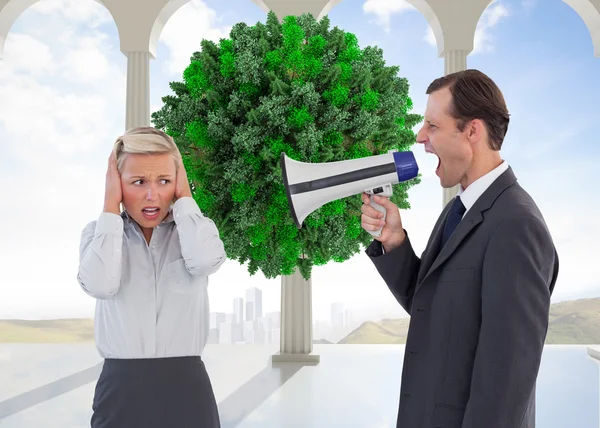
pixel 475 130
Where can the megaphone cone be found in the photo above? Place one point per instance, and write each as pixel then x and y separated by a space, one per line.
pixel 310 186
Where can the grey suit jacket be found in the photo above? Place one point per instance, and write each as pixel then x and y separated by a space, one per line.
pixel 479 313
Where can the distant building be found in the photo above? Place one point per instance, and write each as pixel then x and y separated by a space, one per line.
pixel 253 304
pixel 248 326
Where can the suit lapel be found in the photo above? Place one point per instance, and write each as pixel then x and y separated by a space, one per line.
pixel 433 245
pixel 433 259
pixel 472 219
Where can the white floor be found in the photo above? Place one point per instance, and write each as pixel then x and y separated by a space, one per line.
pixel 352 386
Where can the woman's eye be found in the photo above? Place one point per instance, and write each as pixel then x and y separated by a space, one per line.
pixel 165 181
pixel 138 182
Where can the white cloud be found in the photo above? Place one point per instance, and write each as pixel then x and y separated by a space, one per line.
pixel 430 37
pixel 483 39
pixel 185 30
pixel 575 234
pixel 27 55
pixel 384 9
pixel 66 122
pixel 88 11
pixel 86 62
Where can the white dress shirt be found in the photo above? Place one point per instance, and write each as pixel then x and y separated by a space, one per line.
pixel 152 299
pixel 470 195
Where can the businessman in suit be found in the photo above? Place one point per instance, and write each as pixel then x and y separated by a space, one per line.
pixel 479 295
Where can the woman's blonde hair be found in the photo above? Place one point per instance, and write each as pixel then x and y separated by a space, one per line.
pixel 144 140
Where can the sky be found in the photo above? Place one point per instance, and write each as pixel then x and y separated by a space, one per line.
pixel 62 104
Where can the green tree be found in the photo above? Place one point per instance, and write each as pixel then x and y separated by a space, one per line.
pixel 297 87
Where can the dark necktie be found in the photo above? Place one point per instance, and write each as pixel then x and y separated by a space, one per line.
pixel 455 215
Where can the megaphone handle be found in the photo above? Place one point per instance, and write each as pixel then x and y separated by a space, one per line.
pixel 380 208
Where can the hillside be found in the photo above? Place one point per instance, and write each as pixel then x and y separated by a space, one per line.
pixel 397 326
pixel 372 332
pixel 47 331
pixel 571 322
pixel 575 322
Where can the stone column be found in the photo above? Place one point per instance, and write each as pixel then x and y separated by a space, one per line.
pixel 296 293
pixel 296 340
pixel 454 60
pixel 138 90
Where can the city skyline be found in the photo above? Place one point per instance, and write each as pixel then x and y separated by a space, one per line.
pixel 245 324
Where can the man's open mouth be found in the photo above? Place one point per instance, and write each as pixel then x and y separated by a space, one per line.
pixel 428 151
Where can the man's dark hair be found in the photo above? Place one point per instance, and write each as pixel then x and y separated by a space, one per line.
pixel 476 96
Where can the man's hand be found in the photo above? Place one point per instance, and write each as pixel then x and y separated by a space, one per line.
pixel 392 233
pixel 182 184
pixel 113 194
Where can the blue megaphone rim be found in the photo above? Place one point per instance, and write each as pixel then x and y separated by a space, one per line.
pixel 406 165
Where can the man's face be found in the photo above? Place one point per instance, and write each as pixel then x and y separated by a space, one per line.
pixel 148 183
pixel 441 137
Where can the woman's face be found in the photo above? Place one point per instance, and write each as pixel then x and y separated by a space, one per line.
pixel 148 183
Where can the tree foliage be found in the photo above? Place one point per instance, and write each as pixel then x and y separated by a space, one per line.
pixel 299 87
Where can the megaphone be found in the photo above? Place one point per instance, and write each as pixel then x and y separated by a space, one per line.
pixel 312 185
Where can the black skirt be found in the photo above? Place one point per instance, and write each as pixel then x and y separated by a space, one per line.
pixel 154 393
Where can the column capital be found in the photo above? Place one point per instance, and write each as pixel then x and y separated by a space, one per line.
pixel 455 60
pixel 140 22
pixel 283 8
pixel 452 22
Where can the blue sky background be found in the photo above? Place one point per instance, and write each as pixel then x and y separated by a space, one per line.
pixel 62 104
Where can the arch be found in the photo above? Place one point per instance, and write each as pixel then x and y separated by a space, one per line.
pixel 427 11
pixel 589 12
pixel 10 10
pixel 324 10
pixel 261 5
pixel 328 8
pixel 454 29
pixel 164 15
pixel 284 8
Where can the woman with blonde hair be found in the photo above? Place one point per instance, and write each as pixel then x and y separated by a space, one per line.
pixel 148 268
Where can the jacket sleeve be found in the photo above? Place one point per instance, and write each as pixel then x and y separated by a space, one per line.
pixel 399 269
pixel 201 247
pixel 518 275
pixel 100 256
